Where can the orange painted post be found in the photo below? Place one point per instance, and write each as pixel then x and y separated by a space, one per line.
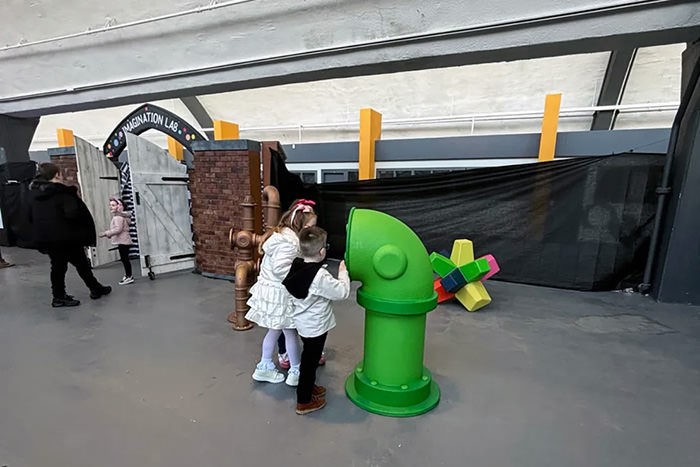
pixel 174 148
pixel 370 132
pixel 65 137
pixel 225 130
pixel 550 121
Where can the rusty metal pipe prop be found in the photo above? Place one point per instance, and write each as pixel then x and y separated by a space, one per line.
pixel 248 217
pixel 244 276
pixel 271 206
pixel 245 244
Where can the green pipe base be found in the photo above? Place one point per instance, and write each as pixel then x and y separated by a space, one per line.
pixel 408 400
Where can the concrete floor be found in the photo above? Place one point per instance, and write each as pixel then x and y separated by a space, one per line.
pixel 153 376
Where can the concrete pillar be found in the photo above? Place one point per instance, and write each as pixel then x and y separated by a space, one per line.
pixel 225 130
pixel 16 136
pixel 370 132
pixel 550 122
pixel 689 58
pixel 677 267
pixel 175 148
pixel 65 137
pixel 224 173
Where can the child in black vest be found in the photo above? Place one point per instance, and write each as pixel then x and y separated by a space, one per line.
pixel 313 288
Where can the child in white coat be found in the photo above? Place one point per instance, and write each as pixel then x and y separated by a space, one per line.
pixel 313 288
pixel 270 303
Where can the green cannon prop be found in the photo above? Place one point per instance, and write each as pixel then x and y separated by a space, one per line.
pixel 397 293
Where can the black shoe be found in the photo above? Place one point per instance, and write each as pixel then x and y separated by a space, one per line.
pixel 105 290
pixel 65 301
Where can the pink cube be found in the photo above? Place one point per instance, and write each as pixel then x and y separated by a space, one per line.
pixel 493 265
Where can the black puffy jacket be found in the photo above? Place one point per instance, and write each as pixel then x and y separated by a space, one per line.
pixel 59 217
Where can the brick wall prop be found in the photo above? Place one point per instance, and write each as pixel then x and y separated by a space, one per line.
pixel 224 173
pixel 65 159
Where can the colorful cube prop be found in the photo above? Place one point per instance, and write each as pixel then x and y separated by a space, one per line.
pixel 475 270
pixel 441 265
pixel 443 294
pixel 454 281
pixel 474 296
pixel 493 267
pixel 462 276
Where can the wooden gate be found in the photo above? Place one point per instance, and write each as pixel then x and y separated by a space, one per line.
pixel 99 179
pixel 162 208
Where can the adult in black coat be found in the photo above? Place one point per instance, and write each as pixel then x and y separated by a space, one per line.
pixel 62 227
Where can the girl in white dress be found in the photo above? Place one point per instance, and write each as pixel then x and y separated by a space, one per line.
pixel 270 303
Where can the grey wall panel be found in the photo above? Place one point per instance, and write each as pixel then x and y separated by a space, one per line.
pixel 462 147
pixel 600 143
pixel 677 264
pixel 343 151
pixel 39 156
pixel 576 143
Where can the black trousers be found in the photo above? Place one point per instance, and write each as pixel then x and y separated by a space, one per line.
pixel 310 355
pixel 59 265
pixel 124 257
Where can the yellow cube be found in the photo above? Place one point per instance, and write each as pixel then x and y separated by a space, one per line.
pixel 462 252
pixel 473 296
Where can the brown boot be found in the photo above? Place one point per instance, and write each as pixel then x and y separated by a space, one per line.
pixel 318 391
pixel 4 264
pixel 313 406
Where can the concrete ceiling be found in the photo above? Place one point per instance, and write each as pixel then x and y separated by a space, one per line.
pixel 262 43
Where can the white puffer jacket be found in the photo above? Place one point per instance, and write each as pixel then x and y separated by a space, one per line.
pixel 270 303
pixel 313 315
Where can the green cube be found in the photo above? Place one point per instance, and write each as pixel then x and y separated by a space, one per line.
pixel 442 266
pixel 474 271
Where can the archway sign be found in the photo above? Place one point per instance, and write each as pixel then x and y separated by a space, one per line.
pixel 148 117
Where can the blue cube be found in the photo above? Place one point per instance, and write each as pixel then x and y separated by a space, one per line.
pixel 453 281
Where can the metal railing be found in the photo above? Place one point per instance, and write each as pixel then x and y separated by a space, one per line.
pixel 471 119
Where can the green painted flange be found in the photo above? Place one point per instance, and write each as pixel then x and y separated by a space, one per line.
pixel 382 400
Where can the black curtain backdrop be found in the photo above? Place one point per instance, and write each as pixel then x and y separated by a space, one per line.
pixel 15 178
pixel 582 223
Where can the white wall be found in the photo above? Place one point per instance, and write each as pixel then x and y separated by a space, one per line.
pixel 495 87
pixel 96 125
pixel 655 77
pixel 485 88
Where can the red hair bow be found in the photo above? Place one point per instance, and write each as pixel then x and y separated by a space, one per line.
pixel 306 202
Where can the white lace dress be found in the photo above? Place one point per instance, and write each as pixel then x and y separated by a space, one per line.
pixel 270 303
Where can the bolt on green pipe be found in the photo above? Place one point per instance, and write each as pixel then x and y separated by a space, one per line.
pixel 397 293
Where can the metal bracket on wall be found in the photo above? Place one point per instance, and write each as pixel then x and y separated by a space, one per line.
pixel 176 179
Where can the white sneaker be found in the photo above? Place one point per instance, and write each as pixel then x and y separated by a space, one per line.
pixel 268 376
pixel 126 280
pixel 292 378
